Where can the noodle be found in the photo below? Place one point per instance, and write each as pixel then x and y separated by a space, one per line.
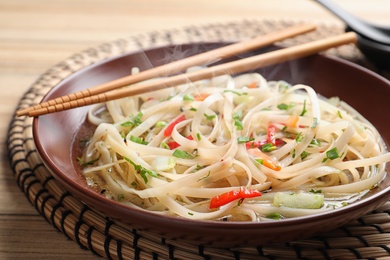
pixel 180 150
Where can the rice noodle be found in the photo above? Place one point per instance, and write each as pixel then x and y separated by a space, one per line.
pixel 132 156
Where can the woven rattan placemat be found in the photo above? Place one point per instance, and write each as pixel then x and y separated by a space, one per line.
pixel 367 237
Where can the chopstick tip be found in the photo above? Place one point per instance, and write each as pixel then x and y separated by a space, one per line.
pixel 22 112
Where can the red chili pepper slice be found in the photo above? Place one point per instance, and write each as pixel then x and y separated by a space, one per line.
pixel 230 196
pixel 257 144
pixel 173 145
pixel 169 129
pixel 271 134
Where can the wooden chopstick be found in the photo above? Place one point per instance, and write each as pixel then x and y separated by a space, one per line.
pixel 177 66
pixel 237 66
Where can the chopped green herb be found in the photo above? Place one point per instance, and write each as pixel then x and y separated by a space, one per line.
pixel 284 106
pixel 299 137
pixel 188 97
pixel 259 160
pixel 198 136
pixel 134 121
pixel 339 114
pixel 141 170
pixel 182 154
pixel 293 153
pixel 121 197
pixel 124 134
pixel 161 124
pixel 82 163
pixel 138 140
pixel 190 213
pixel 304 154
pixel 193 109
pixel 237 120
pixel 198 167
pixel 204 177
pixel 275 216
pixel 83 142
pixel 165 145
pixel 268 147
pixel 332 153
pixel 238 124
pixel 235 92
pixel 315 142
pixel 304 108
pixel 209 117
pixel 315 191
pixel 315 122
pixel 244 139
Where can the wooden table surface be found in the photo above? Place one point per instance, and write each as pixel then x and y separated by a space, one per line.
pixel 36 34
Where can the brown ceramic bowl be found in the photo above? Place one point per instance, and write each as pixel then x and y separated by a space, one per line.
pixel 55 136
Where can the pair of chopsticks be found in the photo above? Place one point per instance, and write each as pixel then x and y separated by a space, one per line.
pixel 113 90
